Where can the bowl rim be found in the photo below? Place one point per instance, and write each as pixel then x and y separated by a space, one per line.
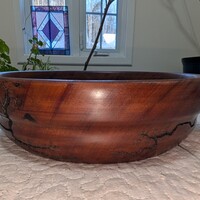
pixel 178 77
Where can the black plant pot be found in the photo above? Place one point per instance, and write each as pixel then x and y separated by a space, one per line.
pixel 191 65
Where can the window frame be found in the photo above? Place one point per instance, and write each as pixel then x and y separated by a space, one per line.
pixel 122 57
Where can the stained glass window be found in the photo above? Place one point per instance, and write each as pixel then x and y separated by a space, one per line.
pixel 50 25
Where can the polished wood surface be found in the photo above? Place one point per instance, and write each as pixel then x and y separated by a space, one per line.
pixel 98 117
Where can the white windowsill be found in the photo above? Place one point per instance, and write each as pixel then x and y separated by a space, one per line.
pixel 117 60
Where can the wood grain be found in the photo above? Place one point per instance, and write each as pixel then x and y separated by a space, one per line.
pixel 98 117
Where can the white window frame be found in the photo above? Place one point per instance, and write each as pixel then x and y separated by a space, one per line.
pixel 123 57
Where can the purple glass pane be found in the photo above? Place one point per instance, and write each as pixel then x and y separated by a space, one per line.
pixel 50 30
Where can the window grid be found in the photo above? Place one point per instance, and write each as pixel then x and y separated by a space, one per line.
pixel 110 14
pixel 48 2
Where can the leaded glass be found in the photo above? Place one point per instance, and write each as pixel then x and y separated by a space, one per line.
pixel 50 25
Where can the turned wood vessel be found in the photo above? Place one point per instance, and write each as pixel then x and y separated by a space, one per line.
pixel 98 117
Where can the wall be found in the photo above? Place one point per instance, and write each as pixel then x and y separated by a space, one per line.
pixel 7 27
pixel 160 39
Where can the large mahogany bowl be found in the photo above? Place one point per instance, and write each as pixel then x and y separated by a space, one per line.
pixel 98 117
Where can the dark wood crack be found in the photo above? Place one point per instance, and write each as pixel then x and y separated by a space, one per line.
pixel 29 117
pixel 5 105
pixel 155 138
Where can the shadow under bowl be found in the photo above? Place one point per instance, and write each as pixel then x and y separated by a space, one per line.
pixel 98 117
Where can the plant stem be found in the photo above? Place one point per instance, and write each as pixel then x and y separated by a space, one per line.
pixel 98 34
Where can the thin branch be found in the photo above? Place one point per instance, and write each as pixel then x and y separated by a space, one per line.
pixel 98 34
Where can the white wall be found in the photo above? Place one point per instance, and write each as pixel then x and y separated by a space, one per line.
pixel 7 27
pixel 160 40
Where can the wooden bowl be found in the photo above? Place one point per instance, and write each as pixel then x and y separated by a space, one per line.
pixel 98 117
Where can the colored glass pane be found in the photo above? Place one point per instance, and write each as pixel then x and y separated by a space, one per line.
pixel 50 25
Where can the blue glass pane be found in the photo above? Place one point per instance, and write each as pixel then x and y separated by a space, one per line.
pixel 50 25
pixel 113 7
pixel 109 32
pixel 93 6
pixel 98 6
pixel 92 27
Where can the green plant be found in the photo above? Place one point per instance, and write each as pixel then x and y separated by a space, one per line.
pixel 33 62
pixel 5 62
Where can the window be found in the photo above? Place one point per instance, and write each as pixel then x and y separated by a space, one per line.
pixel 50 25
pixel 94 13
pixel 75 24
